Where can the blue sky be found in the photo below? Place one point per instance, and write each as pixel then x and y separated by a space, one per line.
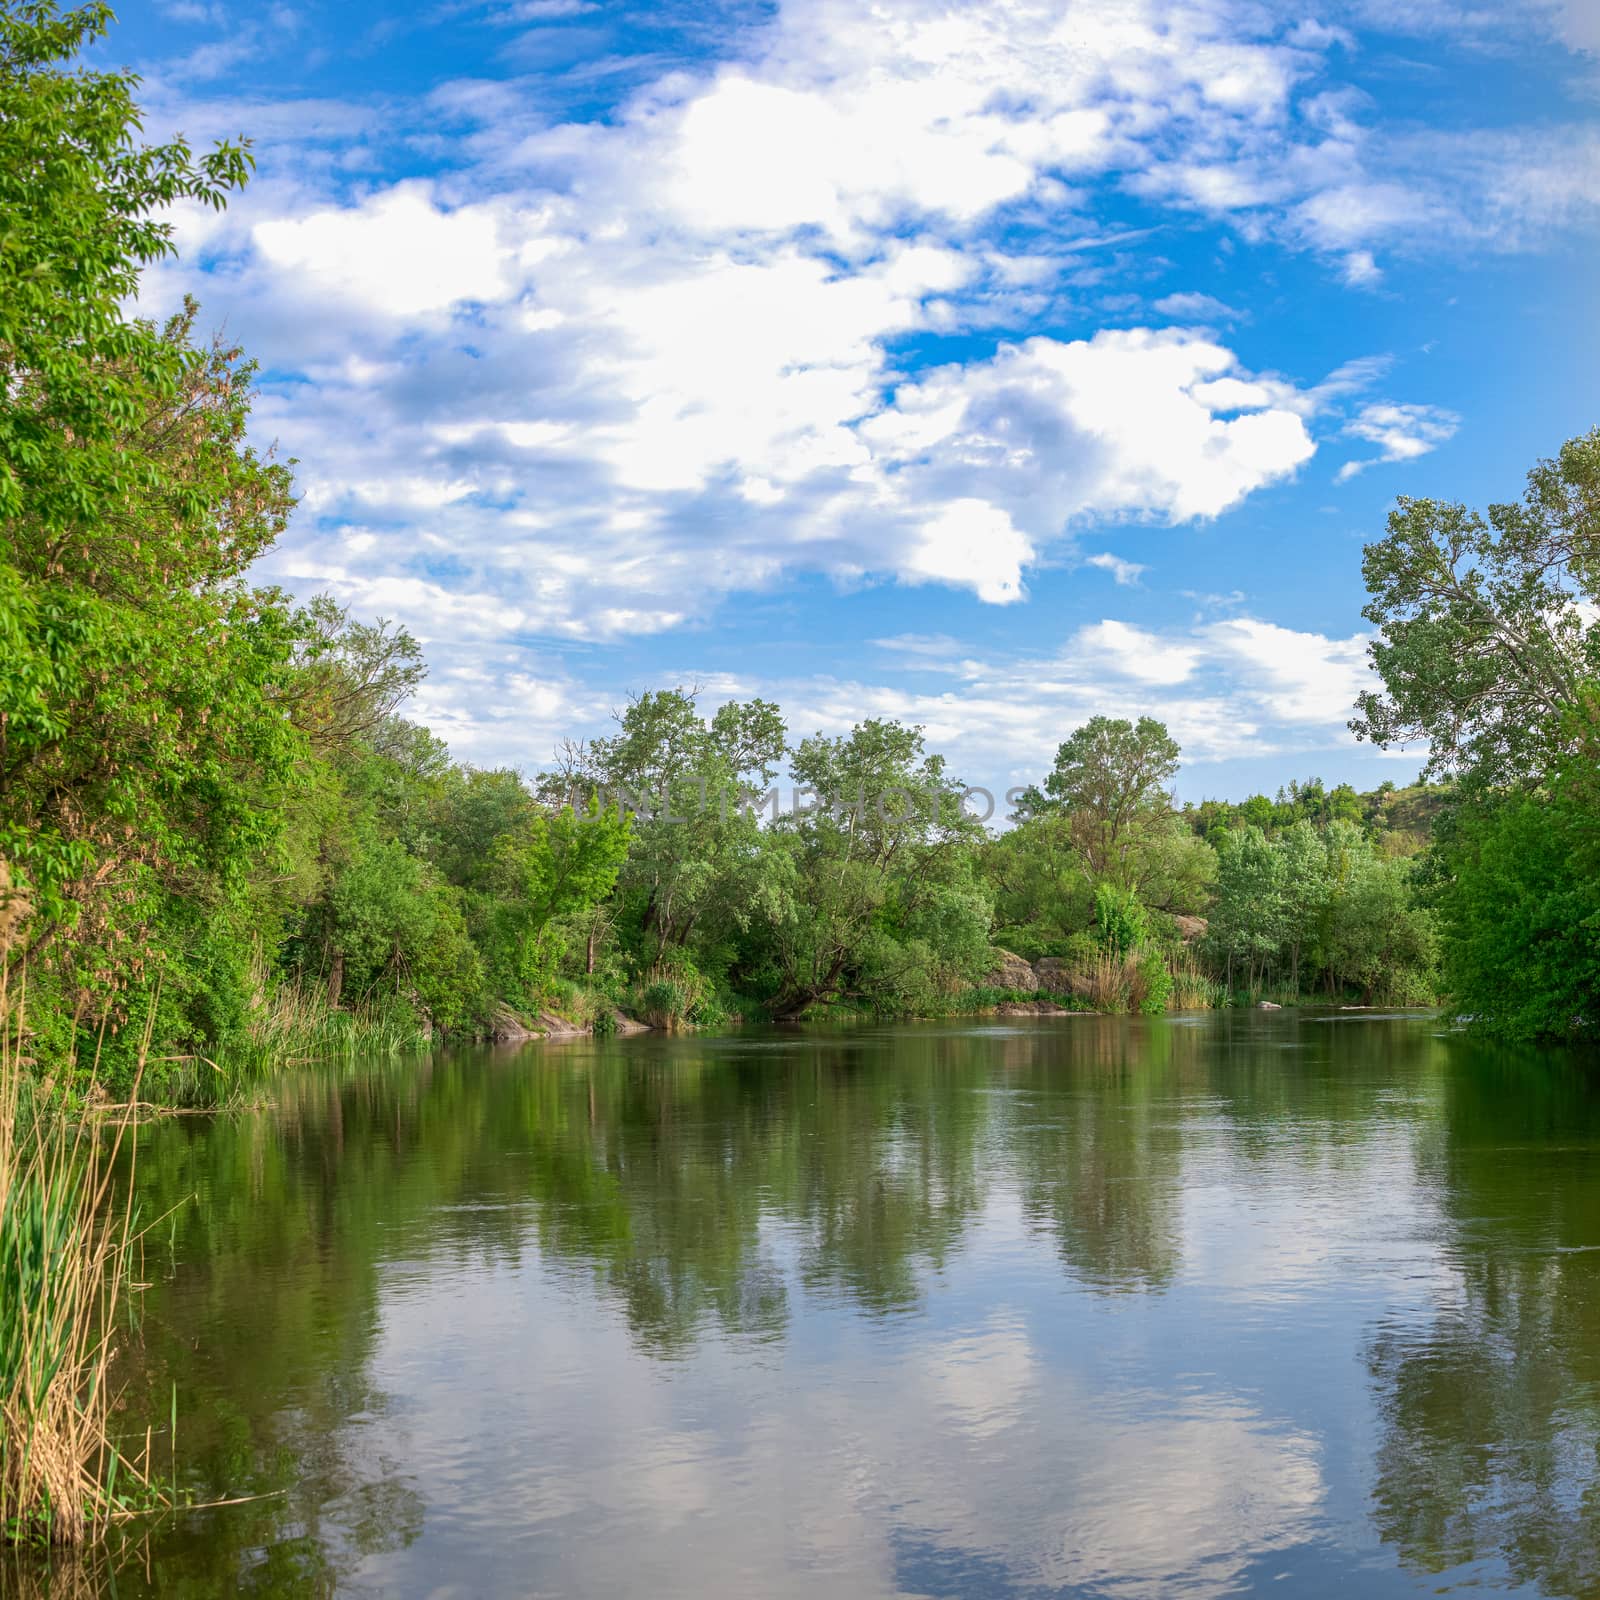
pixel 985 365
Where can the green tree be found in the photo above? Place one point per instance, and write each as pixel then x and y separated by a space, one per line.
pixel 1490 651
pixel 1487 630
pixel 873 891
pixel 1521 918
pixel 692 783
pixel 140 754
pixel 1112 781
pixel 1247 923
pixel 1305 890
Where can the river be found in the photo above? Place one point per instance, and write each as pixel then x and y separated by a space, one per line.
pixel 1292 1303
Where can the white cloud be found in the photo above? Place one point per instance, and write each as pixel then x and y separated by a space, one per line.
pixel 1579 23
pixel 1294 676
pixel 397 253
pixel 972 543
pixel 1120 424
pixel 1403 432
pixel 591 378
pixel 1126 573
pixel 1133 653
pixel 1195 307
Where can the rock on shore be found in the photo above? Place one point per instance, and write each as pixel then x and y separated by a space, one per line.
pixel 1010 971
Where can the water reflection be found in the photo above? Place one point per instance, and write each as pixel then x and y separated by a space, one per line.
pixel 1491 1404
pixel 1092 1307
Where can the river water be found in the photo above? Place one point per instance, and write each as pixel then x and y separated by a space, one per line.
pixel 1292 1303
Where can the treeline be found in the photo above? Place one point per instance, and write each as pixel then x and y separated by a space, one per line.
pixel 220 842
pixel 219 835
pixel 1309 893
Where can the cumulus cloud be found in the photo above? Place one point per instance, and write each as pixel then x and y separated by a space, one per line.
pixel 1134 653
pixel 397 254
pixel 1130 422
pixel 589 378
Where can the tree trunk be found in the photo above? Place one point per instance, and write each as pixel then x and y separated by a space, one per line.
pixel 335 979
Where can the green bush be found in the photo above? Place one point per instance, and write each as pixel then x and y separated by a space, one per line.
pixel 1521 916
pixel 1121 923
pixel 1155 982
pixel 665 1003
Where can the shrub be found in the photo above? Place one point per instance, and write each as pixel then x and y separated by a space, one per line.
pixel 1151 985
pixel 1121 923
pixel 665 1004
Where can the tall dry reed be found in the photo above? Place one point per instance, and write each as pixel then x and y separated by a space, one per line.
pixel 64 1254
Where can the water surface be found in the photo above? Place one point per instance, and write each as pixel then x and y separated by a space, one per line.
pixel 1236 1303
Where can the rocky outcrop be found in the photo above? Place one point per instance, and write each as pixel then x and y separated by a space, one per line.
pixel 506 1027
pixel 1010 971
pixel 550 1026
pixel 1058 976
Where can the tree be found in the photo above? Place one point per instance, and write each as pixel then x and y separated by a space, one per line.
pixel 692 783
pixel 348 677
pixel 1372 934
pixel 1305 890
pixel 1247 920
pixel 873 890
pixel 1042 893
pixel 139 754
pixel 1521 918
pixel 1491 652
pixel 1487 628
pixel 551 867
pixel 1112 779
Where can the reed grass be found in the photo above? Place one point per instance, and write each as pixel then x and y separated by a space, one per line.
pixel 64 1257
pixel 291 1023
pixel 1193 989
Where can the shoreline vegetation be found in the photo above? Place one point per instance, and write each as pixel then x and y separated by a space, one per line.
pixel 65 1258
pixel 218 829
pixel 224 850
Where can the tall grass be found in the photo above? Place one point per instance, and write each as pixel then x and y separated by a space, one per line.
pixel 63 1269
pixel 1134 980
pixel 290 1023
pixel 1193 989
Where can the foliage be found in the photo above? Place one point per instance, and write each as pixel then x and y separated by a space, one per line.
pixel 1121 925
pixel 1521 920
pixel 132 662
pixel 1111 780
pixel 64 1261
pixel 1490 652
pixel 872 893
pixel 1320 905
pixel 1487 628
